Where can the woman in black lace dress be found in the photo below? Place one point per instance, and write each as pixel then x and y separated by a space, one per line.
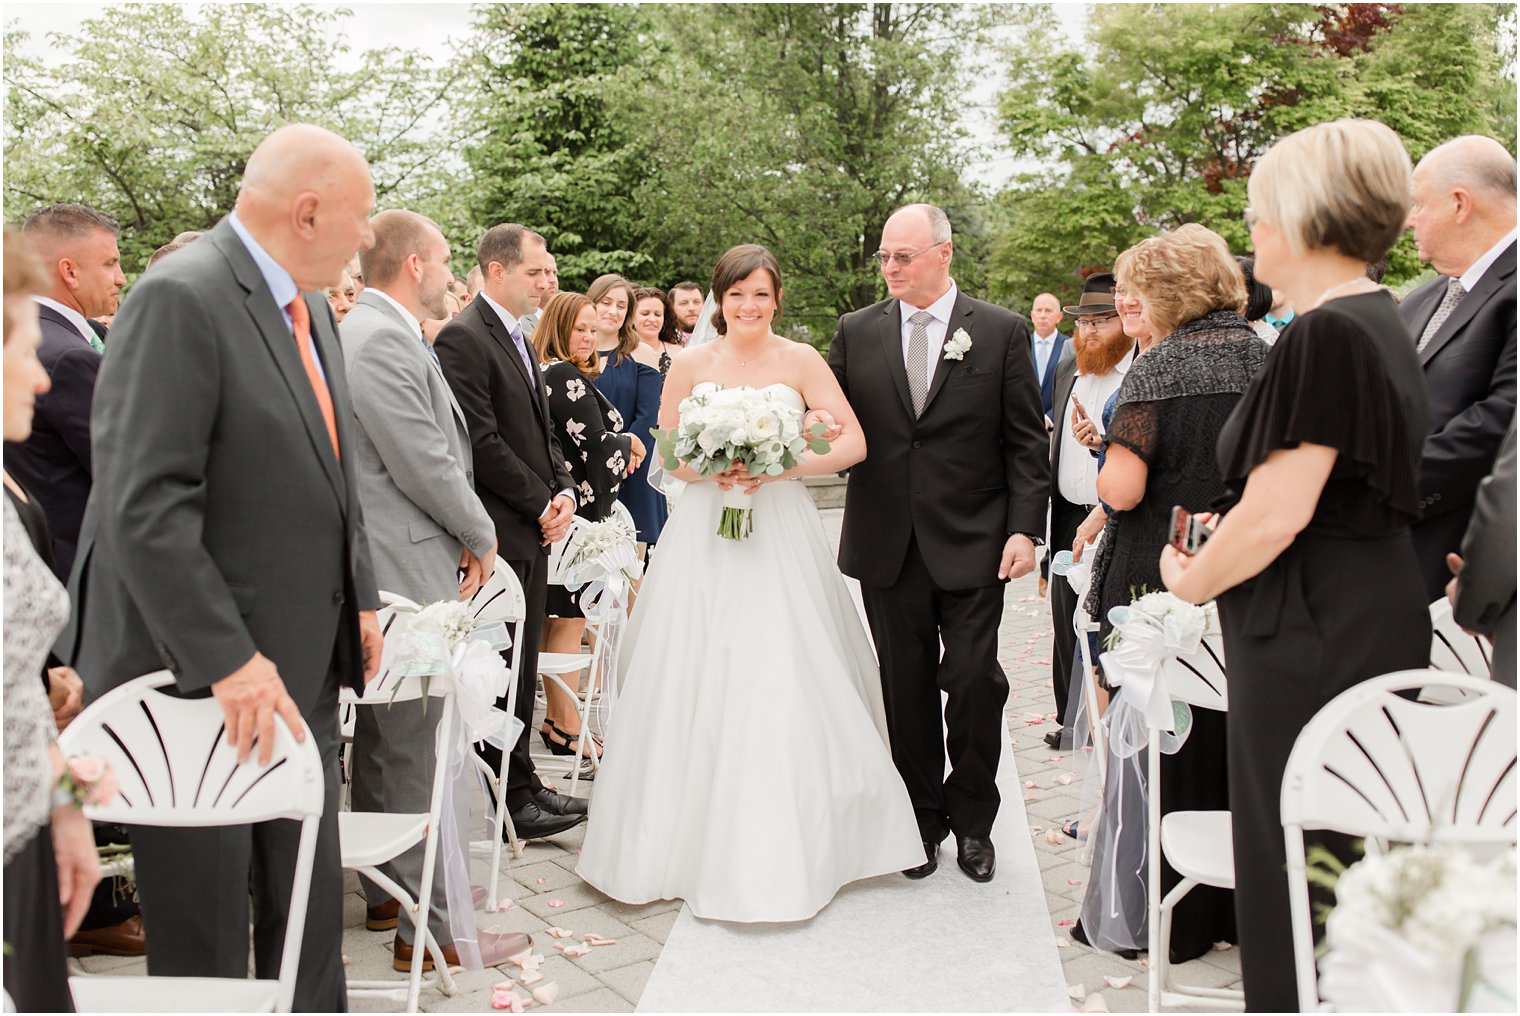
pixel 1173 401
pixel 655 324
pixel 599 455
pixel 1314 570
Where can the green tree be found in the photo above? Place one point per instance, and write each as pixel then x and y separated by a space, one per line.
pixel 1158 119
pixel 557 154
pixel 801 126
pixel 156 110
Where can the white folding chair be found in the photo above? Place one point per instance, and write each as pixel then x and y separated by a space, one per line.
pixel 1377 764
pixel 369 839
pixel 500 598
pixel 1453 650
pixel 1198 844
pixel 175 768
pixel 557 666
pixel 1083 623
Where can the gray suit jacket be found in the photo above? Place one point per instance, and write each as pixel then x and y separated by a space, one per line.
pixel 412 455
pixel 220 521
pixel 1486 591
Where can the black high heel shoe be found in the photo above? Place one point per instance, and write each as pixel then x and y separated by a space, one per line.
pixel 562 747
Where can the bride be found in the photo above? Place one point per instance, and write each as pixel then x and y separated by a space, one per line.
pixel 748 771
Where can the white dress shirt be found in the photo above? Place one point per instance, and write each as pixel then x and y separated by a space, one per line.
pixel 1043 344
pixel 282 286
pixel 75 318
pixel 406 315
pixel 1474 273
pixel 937 329
pixel 1077 479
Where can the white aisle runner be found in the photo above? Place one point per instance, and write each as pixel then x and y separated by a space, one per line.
pixel 942 944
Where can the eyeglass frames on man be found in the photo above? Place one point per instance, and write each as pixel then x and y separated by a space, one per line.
pixel 883 257
pixel 1093 322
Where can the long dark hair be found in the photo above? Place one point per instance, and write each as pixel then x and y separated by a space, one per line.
pixel 669 332
pixel 628 339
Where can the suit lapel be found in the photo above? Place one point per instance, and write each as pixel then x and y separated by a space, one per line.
pixel 277 337
pixel 891 348
pixel 960 317
pixel 433 366
pixel 1498 273
pixel 498 329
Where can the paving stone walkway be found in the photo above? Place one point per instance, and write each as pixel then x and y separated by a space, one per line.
pixel 611 978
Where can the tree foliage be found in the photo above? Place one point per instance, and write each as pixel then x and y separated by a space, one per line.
pixel 1158 119
pixel 154 113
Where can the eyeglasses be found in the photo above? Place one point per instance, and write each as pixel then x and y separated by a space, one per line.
pixel 1251 218
pixel 1096 321
pixel 883 257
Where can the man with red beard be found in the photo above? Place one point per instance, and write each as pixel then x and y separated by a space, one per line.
pixel 1083 384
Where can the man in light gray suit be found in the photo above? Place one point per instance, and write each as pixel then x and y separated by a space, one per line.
pixel 426 525
pixel 1483 593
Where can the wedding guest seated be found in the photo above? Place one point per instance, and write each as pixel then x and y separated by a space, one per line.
pixel 600 455
pixel 633 387
pixel 1317 580
pixel 1177 394
pixel 51 866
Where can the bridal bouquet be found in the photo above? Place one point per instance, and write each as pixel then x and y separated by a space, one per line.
pixel 737 426
pixel 1419 928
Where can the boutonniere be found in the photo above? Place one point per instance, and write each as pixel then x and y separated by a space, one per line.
pixel 959 343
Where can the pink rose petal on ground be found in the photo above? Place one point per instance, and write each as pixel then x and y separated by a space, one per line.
pixel 520 959
pixel 1037 829
pixel 558 932
pixel 1064 779
pixel 506 985
pixel 1146 964
pixel 577 949
pixel 1055 758
pixel 346 959
pixel 1055 838
pixel 1095 1003
pixel 1076 991
pixel 595 939
pixel 547 994
pixel 1030 784
pixel 556 904
pixel 1031 796
pixel 543 880
pixel 531 977
pixel 1117 982
pixel 1074 881
pixel 1068 922
pixel 503 906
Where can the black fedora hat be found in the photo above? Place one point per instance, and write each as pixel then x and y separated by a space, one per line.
pixel 1097 295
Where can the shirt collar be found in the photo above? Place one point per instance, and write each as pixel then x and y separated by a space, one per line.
pixel 1474 274
pixel 406 315
pixel 508 319
pixel 75 318
pixel 1046 338
pixel 940 309
pixel 281 285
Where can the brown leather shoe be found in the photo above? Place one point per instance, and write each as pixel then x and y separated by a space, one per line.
pixel 124 939
pixel 384 917
pixel 401 956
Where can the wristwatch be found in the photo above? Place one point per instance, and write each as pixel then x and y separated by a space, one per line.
pixel 1038 541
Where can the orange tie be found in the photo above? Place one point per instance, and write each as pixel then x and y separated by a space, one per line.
pixel 300 317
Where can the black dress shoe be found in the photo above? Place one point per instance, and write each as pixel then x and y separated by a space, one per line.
pixel 534 823
pixel 560 804
pixel 1055 737
pixel 931 851
pixel 975 856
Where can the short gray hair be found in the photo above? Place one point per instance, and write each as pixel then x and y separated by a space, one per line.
pixel 68 221
pixel 939 222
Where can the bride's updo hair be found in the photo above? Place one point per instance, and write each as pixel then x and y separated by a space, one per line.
pixel 737 264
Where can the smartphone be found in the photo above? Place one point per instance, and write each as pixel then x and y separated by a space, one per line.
pixel 1188 533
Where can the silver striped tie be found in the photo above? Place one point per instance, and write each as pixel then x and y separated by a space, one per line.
pixel 1454 294
pixel 918 360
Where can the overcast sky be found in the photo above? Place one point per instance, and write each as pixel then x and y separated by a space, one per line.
pixel 433 28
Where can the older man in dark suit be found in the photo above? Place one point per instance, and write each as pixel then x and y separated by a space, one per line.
pixel 78 247
pixel 224 540
pixel 1463 322
pixel 520 474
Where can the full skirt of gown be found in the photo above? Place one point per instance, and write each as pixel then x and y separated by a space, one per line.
pixel 746 768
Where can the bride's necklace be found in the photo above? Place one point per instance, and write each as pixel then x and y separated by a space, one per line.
pixel 727 351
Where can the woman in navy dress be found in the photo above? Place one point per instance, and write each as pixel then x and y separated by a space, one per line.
pixel 633 388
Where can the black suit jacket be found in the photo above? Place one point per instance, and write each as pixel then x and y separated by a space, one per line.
pixel 518 463
pixel 961 477
pixel 54 463
pixel 1469 369
pixel 221 522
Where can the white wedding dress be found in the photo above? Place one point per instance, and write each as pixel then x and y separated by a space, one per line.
pixel 746 770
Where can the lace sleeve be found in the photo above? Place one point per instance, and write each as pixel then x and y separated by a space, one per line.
pixel 1135 427
pixel 35 608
